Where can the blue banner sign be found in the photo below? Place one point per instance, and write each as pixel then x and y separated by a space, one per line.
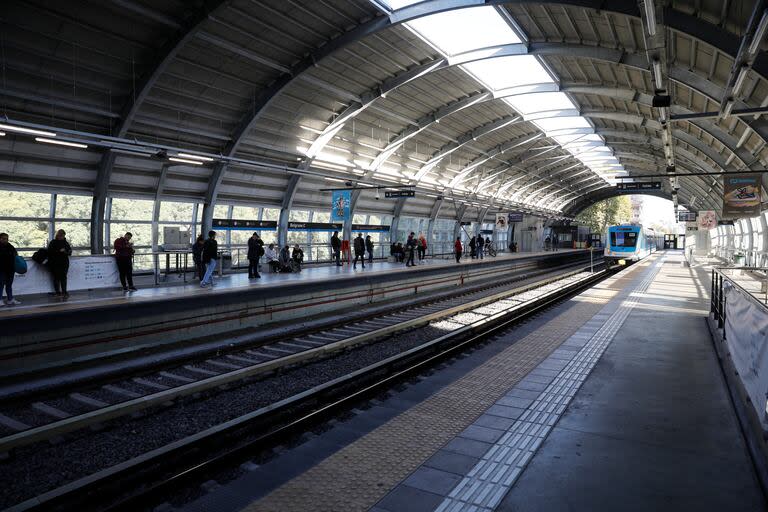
pixel 340 201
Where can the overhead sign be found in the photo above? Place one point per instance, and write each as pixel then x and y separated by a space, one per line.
pixel 313 226
pixel 340 202
pixel 501 221
pixel 725 222
pixel 686 216
pixel 707 219
pixel 741 195
pixel 515 217
pixel 486 231
pixel 250 225
pixel 369 227
pixel 639 185
pixel 399 193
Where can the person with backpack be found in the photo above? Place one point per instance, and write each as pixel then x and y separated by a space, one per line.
pixel 8 256
pixel 410 246
pixel 210 257
pixel 359 247
pixel 197 256
pixel 336 248
pixel 480 244
pixel 124 258
pixel 59 252
pixel 473 247
pixel 369 248
pixel 457 249
pixel 255 252
pixel 422 247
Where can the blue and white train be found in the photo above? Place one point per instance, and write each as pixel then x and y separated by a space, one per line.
pixel 629 242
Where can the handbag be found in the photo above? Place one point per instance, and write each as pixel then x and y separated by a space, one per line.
pixel 20 265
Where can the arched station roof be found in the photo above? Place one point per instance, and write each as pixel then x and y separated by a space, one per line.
pixel 279 99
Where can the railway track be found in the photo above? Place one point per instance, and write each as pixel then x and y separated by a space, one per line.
pixel 70 408
pixel 487 312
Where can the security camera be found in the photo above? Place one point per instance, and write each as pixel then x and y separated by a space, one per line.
pixel 377 194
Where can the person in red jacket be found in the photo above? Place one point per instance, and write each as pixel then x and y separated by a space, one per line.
pixel 124 257
pixel 457 249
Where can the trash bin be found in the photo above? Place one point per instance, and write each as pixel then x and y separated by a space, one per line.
pixel 226 261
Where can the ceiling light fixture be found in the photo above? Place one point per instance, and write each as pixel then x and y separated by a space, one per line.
pixel 195 157
pixel 21 129
pixel 657 74
pixel 650 17
pixel 2 134
pixel 61 143
pixel 185 161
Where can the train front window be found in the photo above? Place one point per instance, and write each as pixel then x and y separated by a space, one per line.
pixel 623 239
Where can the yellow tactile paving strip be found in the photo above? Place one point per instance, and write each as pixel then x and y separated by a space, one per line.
pixel 356 477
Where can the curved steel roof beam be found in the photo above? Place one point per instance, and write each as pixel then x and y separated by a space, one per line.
pixel 163 59
pixel 464 139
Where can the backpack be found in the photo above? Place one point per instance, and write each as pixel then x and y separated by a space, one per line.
pixel 259 250
pixel 20 265
pixel 40 256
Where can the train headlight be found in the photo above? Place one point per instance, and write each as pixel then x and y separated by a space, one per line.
pixel 622 262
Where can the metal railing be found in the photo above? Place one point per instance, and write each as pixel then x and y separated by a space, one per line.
pixel 752 281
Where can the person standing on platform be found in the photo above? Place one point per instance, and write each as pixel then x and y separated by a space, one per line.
pixel 473 247
pixel 480 245
pixel 369 248
pixel 197 256
pixel 554 242
pixel 457 249
pixel 210 257
pixel 410 247
pixel 255 252
pixel 59 252
pixel 359 248
pixel 422 247
pixel 7 269
pixel 124 257
pixel 336 248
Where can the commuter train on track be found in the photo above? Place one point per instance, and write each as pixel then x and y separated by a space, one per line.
pixel 630 242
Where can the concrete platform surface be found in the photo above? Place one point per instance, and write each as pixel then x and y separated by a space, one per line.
pixel 613 400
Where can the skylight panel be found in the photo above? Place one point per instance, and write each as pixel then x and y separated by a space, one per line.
pixel 560 123
pixel 506 72
pixel 399 4
pixel 462 30
pixel 540 102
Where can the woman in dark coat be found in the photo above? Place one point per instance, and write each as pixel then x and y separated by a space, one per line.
pixel 7 269
pixel 59 252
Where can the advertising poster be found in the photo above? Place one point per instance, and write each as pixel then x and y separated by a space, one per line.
pixel 741 195
pixel 340 201
pixel 501 221
pixel 707 219
pixel 85 273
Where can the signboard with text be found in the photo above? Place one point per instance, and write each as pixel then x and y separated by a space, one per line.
pixel 515 217
pixel 235 224
pixel 686 216
pixel 399 193
pixel 370 227
pixel 741 195
pixel 639 185
pixel 314 226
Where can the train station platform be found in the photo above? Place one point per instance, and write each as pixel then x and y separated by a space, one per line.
pixel 44 331
pixel 612 400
